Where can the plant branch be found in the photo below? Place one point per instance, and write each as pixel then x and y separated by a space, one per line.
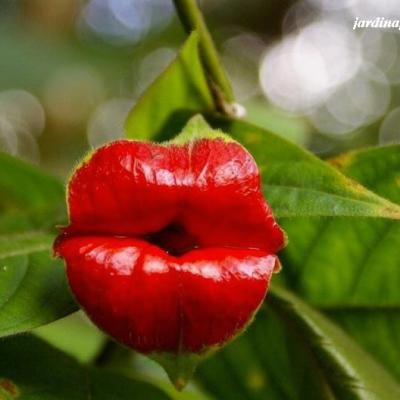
pixel 192 19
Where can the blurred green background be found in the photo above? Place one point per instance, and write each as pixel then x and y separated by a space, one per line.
pixel 70 70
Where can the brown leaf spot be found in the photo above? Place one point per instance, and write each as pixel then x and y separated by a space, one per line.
pixel 9 387
pixel 342 161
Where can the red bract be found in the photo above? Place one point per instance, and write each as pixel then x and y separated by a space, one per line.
pixel 170 248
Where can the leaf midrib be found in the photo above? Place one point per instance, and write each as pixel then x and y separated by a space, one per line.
pixel 37 246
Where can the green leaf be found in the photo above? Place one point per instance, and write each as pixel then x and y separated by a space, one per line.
pixel 33 287
pixel 337 262
pixel 296 183
pixel 376 330
pixel 115 357
pixel 293 352
pixel 178 93
pixel 29 198
pixel 24 185
pixel 74 335
pixel 350 268
pixel 36 371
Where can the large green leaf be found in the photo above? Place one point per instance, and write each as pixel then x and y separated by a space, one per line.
pixel 178 93
pixel 33 287
pixel 33 370
pixel 351 268
pixel 377 327
pixel 296 183
pixel 293 352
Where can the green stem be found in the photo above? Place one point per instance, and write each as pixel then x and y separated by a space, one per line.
pixel 192 19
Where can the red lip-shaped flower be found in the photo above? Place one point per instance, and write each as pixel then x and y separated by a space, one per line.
pixel 170 248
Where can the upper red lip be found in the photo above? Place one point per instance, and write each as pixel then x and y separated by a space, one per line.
pixel 210 190
pixel 199 201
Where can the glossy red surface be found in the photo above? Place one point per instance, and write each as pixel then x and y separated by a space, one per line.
pixel 169 248
pixel 152 301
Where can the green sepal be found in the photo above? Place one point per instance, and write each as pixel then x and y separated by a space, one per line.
pixel 180 367
pixel 197 128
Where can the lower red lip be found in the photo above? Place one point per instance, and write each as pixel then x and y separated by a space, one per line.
pixel 156 302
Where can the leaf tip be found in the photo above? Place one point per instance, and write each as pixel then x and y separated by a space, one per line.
pixel 179 367
pixel 180 383
pixel 391 212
